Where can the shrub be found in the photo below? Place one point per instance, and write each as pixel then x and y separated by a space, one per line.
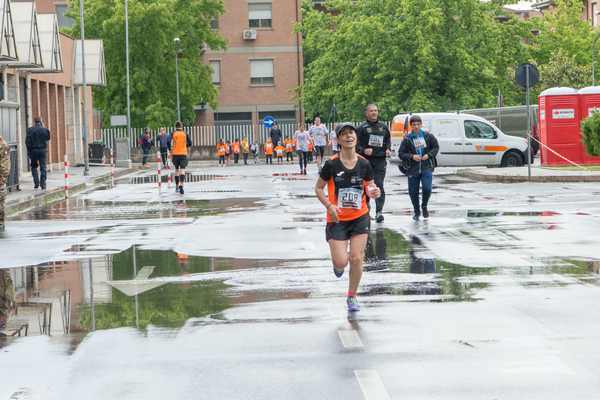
pixel 590 129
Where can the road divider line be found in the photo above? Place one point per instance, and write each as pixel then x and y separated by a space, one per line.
pixel 350 339
pixel 371 385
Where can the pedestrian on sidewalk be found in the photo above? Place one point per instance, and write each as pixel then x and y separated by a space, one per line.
pixel 319 133
pixel 245 150
pixel 146 145
pixel 275 134
pixel 289 150
pixel 302 139
pixel 236 148
pixel 180 145
pixel 349 181
pixel 221 150
pixel 269 152
pixel 418 152
pixel 37 144
pixel 163 141
pixel 4 172
pixel 228 152
pixel 375 144
pixel 279 150
pixel 254 148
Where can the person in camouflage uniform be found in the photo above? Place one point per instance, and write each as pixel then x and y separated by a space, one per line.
pixel 4 171
pixel 7 297
pixel 7 291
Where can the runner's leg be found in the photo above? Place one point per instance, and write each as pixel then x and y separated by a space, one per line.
pixel 357 254
pixel 339 253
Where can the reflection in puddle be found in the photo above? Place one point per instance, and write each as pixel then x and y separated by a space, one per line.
pixel 85 209
pixel 189 177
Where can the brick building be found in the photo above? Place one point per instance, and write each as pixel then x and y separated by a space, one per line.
pixel 259 72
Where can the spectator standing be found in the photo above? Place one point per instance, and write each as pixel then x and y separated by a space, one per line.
pixel 37 144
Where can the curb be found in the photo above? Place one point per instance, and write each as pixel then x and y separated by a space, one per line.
pixel 58 194
pixel 465 173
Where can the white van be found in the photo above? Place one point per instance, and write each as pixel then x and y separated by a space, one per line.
pixel 465 140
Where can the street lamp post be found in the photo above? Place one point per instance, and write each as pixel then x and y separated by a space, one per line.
pixel 127 69
pixel 177 42
pixel 84 133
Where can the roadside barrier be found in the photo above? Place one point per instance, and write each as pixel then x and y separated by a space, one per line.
pixel 158 162
pixel 561 156
pixel 66 165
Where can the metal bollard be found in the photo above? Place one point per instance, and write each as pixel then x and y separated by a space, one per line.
pixel 158 162
pixel 66 164
pixel 112 169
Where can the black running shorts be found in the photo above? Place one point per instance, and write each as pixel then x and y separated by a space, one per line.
pixel 320 150
pixel 180 162
pixel 344 230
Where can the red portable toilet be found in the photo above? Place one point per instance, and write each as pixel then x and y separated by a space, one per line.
pixel 559 126
pixel 589 101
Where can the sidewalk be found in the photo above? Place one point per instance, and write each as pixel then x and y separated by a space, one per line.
pixel 28 197
pixel 538 174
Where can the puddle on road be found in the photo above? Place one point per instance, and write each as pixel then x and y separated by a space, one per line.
pixel 189 177
pixel 84 209
pixel 487 214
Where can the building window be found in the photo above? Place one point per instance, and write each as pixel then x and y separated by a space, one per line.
pixel 261 72
pixel 214 23
pixel 63 20
pixel 260 15
pixel 215 66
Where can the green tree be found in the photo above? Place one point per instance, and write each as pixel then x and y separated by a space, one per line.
pixel 410 55
pixel 563 46
pixel 153 24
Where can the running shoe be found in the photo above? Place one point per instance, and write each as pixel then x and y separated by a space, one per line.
pixel 379 217
pixel 425 213
pixel 338 272
pixel 352 304
pixel 181 189
pixel 416 216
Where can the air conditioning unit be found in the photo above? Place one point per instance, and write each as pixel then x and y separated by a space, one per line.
pixel 249 34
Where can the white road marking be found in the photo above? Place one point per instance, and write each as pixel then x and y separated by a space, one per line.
pixel 350 339
pixel 144 273
pixel 371 385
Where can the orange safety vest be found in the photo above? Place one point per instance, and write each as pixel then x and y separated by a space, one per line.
pixel 236 147
pixel 221 150
pixel 279 150
pixel 269 149
pixel 179 143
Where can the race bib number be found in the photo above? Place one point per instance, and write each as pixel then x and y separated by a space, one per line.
pixel 350 198
pixel 375 141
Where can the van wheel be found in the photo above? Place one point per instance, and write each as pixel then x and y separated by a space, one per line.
pixel 512 159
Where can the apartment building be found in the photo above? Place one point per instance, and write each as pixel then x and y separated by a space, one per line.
pixel 259 72
pixel 590 9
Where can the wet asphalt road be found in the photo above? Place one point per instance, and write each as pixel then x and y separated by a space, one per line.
pixel 227 293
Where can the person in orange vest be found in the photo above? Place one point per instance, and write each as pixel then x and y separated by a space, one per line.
pixel 235 147
pixel 311 149
pixel 269 152
pixel 289 150
pixel 180 144
pixel 221 152
pixel 279 149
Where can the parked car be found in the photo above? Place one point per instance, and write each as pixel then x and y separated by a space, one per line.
pixel 512 121
pixel 465 140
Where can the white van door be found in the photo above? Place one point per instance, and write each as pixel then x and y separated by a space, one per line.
pixel 449 134
pixel 482 146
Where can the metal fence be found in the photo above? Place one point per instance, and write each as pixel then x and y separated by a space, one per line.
pixel 209 135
